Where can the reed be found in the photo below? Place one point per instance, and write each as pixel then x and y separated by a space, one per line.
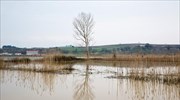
pixel 166 79
pixel 19 60
pixel 1 63
pixel 139 57
pixel 59 58
pixel 40 67
pixel 165 75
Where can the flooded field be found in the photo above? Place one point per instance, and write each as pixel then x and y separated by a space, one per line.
pixel 94 80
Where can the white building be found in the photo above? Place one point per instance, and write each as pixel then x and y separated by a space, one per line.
pixel 17 54
pixel 6 54
pixel 32 52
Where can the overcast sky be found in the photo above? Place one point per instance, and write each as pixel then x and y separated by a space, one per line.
pixel 49 24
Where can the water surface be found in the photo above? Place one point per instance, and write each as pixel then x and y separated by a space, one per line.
pixel 88 81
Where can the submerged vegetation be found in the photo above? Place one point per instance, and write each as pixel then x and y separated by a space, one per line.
pixel 137 67
pixel 167 79
pixel 40 67
pixel 168 74
pixel 48 64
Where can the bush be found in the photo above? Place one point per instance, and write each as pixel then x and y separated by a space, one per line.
pixel 20 60
pixel 60 58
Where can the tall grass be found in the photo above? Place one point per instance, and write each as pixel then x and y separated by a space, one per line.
pixel 167 75
pixel 59 58
pixel 1 63
pixel 140 57
pixel 60 64
pixel 20 60
pixel 50 64
pixel 40 67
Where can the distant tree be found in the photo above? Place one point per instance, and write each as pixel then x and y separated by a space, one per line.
pixel 168 47
pixel 118 49
pixel 148 46
pixel 105 51
pixel 114 53
pixel 75 51
pixel 1 50
pixel 83 25
pixel 94 50
pixel 65 51
pixel 126 49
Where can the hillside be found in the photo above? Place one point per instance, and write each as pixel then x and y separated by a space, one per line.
pixel 125 48
pixel 103 49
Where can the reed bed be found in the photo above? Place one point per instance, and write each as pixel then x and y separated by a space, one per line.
pixel 56 58
pixel 59 59
pixel 63 64
pixel 1 63
pixel 162 79
pixel 19 60
pixel 140 57
pixel 43 67
pixel 167 75
pixel 50 64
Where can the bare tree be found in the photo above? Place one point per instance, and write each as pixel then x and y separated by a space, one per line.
pixel 83 25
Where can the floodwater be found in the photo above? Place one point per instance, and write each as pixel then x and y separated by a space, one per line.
pixel 88 81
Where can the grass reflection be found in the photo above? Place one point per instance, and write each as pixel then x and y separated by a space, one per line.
pixel 38 77
pixel 130 80
pixel 166 73
pixel 146 90
pixel 40 67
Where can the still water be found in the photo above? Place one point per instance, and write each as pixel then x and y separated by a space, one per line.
pixel 88 81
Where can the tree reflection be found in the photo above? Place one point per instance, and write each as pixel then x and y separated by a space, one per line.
pixel 83 90
pixel 38 81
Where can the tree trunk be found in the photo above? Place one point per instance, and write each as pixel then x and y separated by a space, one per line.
pixel 87 52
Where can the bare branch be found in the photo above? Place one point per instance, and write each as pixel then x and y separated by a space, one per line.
pixel 83 26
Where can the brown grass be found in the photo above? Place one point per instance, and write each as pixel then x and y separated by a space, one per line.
pixel 42 67
pixel 138 57
pixel 172 79
pixel 58 64
pixel 1 63
pixel 19 60
pixel 59 58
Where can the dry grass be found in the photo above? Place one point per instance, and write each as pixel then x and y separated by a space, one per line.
pixel 167 75
pixel 20 60
pixel 59 58
pixel 138 57
pixel 1 63
pixel 50 64
pixel 60 64
pixel 42 67
pixel 172 79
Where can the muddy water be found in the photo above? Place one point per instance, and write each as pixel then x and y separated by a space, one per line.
pixel 87 82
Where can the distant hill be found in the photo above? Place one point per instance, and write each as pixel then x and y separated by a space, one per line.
pixel 144 48
pixel 127 48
